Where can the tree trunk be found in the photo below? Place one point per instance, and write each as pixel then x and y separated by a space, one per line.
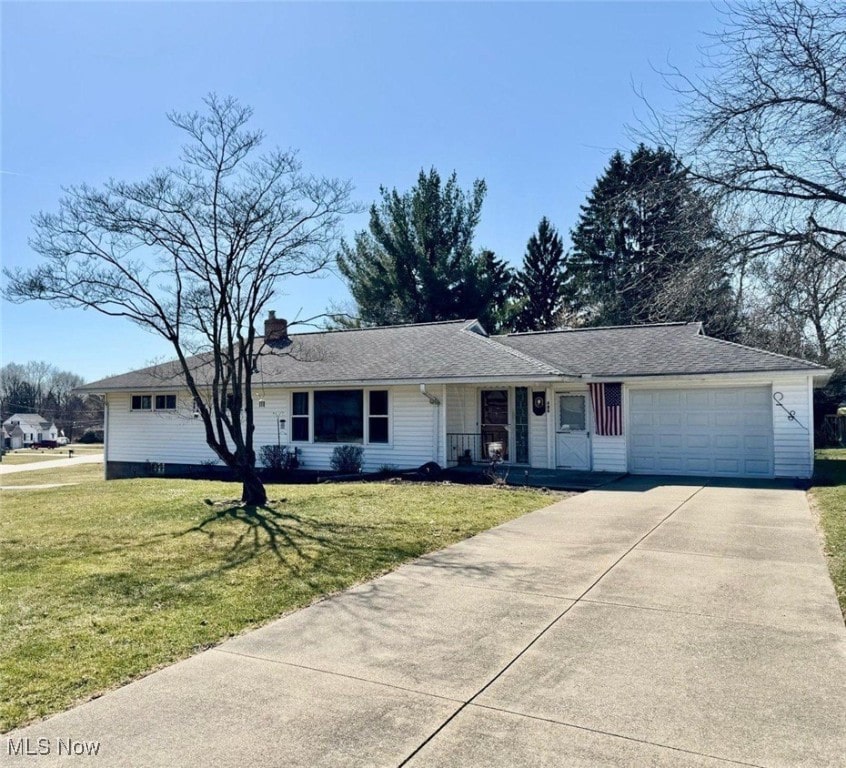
pixel 253 492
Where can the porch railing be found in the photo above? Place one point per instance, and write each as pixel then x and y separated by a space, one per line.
pixel 464 447
pixel 472 447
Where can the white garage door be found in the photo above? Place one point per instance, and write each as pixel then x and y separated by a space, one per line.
pixel 724 432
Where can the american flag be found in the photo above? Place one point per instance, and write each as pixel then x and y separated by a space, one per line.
pixel 607 408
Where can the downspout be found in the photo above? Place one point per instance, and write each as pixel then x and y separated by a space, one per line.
pixel 437 421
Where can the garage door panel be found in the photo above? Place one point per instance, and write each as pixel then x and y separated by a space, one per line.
pixel 669 398
pixel 640 399
pixel 697 466
pixel 756 443
pixel 670 418
pixel 699 442
pixel 695 399
pixel 698 419
pixel 643 464
pixel 757 397
pixel 757 467
pixel 704 431
pixel 726 418
pixel 670 441
pixel 758 419
pixel 727 398
pixel 727 466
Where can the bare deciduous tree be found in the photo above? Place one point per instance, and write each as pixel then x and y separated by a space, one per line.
pixel 807 288
pixel 767 124
pixel 195 253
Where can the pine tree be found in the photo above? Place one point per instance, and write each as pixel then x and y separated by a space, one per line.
pixel 541 281
pixel 416 262
pixel 647 248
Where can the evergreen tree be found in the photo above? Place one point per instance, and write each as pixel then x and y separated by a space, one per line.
pixel 541 281
pixel 647 248
pixel 416 263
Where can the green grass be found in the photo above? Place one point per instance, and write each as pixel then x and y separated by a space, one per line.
pixel 82 473
pixel 102 582
pixel 829 495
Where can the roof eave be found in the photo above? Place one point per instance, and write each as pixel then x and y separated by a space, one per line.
pixel 747 374
pixel 504 379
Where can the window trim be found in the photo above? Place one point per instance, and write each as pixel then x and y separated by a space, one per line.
pixel 365 391
pixel 355 390
pixel 307 415
pixel 152 407
pixel 157 395
pixel 141 408
pixel 387 416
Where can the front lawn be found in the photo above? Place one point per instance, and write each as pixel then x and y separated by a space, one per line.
pixel 829 495
pixel 102 582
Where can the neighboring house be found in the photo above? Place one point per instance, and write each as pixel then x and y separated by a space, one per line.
pixel 645 399
pixel 23 429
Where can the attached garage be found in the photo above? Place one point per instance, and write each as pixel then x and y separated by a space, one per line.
pixel 717 431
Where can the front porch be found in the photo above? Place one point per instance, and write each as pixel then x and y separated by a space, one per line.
pixel 533 477
pixel 535 426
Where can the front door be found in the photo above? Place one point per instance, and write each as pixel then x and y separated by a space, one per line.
pixel 572 438
pixel 494 423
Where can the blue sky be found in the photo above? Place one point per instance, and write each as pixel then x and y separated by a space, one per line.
pixel 531 97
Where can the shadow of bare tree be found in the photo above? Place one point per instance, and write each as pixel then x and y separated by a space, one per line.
pixel 265 529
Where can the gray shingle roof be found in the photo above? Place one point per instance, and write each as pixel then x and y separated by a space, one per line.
pixel 647 350
pixel 449 350
pixel 459 350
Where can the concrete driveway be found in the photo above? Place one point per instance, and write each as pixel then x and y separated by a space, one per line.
pixel 646 624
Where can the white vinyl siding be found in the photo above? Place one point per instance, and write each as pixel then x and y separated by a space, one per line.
pixel 462 408
pixel 177 437
pixel 538 448
pixel 793 439
pixel 417 435
pixel 609 453
pixel 163 436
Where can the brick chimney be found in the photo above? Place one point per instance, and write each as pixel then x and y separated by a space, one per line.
pixel 275 329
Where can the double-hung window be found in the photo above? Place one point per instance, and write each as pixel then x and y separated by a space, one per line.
pixel 299 417
pixel 377 418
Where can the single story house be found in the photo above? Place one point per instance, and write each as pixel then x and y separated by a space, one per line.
pixel 646 399
pixel 23 429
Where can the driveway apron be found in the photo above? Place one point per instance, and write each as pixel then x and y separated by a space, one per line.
pixel 648 623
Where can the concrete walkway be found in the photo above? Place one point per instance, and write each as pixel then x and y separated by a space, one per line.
pixel 9 469
pixel 643 624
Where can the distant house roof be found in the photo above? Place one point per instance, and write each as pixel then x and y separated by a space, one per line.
pixel 31 422
pixel 462 350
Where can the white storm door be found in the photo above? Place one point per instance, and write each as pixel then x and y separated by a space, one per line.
pixel 572 437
